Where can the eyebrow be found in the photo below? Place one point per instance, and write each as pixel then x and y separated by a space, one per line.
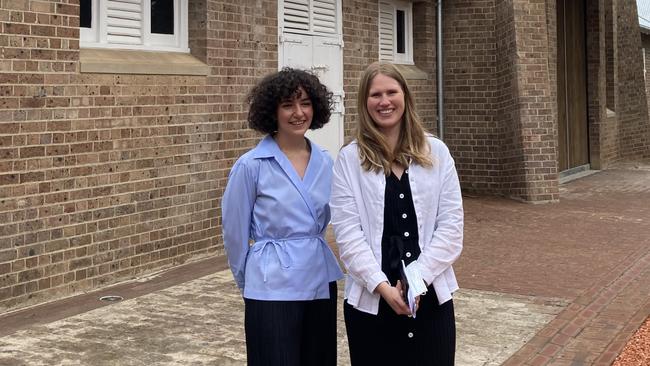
pixel 288 100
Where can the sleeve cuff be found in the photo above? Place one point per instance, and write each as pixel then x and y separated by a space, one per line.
pixel 427 276
pixel 375 280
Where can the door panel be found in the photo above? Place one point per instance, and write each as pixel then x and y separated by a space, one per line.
pixel 297 51
pixel 324 57
pixel 328 57
pixel 572 85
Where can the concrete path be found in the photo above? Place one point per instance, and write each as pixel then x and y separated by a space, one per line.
pixel 200 322
pixel 556 284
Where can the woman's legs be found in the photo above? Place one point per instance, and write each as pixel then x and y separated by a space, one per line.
pixel 367 337
pixel 272 332
pixel 319 331
pixel 291 333
pixel 435 330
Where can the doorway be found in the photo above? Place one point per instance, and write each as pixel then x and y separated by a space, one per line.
pixel 573 133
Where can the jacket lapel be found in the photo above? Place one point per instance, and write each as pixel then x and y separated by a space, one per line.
pixel 300 184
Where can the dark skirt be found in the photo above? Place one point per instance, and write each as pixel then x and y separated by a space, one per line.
pixel 291 333
pixel 391 339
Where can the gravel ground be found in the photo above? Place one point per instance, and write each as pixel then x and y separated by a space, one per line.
pixel 637 350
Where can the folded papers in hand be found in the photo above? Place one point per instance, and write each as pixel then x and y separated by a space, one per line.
pixel 413 284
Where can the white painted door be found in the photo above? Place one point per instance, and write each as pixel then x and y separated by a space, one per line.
pixel 310 39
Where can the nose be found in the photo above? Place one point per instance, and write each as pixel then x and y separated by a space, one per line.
pixel 298 109
pixel 384 100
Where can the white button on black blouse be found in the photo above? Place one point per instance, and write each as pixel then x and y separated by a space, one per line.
pixel 401 195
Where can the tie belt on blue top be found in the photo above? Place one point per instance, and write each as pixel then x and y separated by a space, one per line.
pixel 280 250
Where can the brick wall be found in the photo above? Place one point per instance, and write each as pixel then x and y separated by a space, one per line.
pixel 424 57
pixel 632 109
pixel 102 176
pixel 506 101
pixel 499 95
pixel 645 43
pixel 609 29
pixel 618 114
pixel 535 102
pixel 599 57
pixel 471 127
pixel 106 176
pixel 360 35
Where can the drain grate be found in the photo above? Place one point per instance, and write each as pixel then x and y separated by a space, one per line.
pixel 111 298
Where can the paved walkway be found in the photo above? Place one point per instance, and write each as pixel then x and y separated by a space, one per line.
pixel 554 284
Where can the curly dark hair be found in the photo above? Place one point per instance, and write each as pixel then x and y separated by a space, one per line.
pixel 275 88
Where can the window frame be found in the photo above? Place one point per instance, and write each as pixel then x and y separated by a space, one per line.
pixel 97 35
pixel 405 58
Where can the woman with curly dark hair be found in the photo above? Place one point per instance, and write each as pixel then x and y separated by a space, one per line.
pixel 277 199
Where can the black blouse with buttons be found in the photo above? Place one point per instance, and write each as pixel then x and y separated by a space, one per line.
pixel 400 237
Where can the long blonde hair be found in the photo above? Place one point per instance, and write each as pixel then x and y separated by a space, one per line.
pixel 374 151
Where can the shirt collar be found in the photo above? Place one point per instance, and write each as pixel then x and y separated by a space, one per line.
pixel 267 148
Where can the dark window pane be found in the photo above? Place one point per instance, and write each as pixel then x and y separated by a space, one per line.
pixel 85 13
pixel 401 32
pixel 162 16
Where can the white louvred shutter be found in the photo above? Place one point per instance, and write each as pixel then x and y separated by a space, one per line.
pixel 386 36
pixel 310 16
pixel 296 15
pixel 324 16
pixel 124 21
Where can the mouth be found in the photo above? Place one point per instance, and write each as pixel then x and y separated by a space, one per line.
pixel 386 112
pixel 297 123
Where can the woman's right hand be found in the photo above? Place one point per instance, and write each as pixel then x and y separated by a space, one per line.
pixel 394 298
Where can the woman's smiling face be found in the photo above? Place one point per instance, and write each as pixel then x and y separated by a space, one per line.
pixel 295 114
pixel 386 103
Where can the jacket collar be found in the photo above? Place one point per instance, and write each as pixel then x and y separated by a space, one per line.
pixel 267 148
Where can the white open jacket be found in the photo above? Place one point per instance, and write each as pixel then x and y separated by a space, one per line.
pixel 357 204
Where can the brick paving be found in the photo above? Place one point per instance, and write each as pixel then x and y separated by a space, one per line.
pixel 591 249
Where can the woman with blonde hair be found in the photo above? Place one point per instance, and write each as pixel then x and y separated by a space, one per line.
pixel 396 204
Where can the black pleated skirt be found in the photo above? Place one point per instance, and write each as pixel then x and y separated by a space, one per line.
pixel 291 333
pixel 391 339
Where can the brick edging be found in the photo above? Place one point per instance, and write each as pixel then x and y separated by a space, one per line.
pixel 568 326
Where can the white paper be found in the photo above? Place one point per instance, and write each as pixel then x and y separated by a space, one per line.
pixel 416 284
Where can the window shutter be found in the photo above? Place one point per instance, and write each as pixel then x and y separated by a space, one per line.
pixel 324 16
pixel 296 16
pixel 310 16
pixel 124 21
pixel 386 30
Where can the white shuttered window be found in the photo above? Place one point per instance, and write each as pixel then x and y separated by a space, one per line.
pixel 396 31
pixel 156 25
pixel 310 17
